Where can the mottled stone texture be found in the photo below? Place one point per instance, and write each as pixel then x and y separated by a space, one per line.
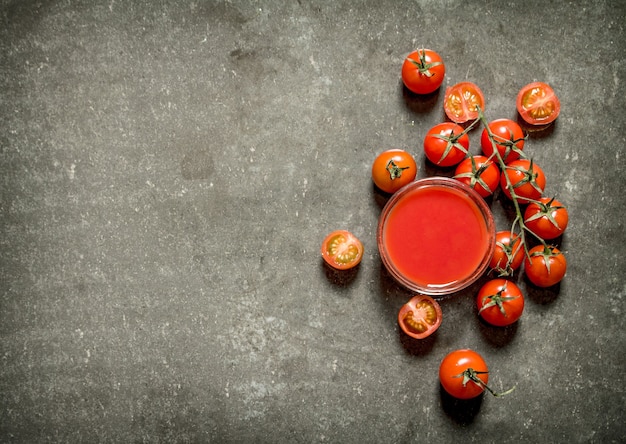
pixel 169 169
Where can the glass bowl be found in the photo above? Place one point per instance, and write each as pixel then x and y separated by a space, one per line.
pixel 436 236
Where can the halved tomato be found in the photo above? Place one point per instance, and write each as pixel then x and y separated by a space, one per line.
pixel 462 101
pixel 420 317
pixel 538 104
pixel 342 250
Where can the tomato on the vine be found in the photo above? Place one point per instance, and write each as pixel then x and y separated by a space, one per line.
pixel 464 375
pixel 462 101
pixel 500 302
pixel 342 250
pixel 420 316
pixel 527 178
pixel 392 169
pixel 480 173
pixel 508 254
pixel 545 266
pixel 538 104
pixel 507 135
pixel 446 144
pixel 423 71
pixel 547 218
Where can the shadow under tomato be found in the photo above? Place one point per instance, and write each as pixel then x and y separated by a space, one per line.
pixel 461 411
pixel 390 287
pixel 340 278
pixel 536 131
pixel 430 169
pixel 416 347
pixel 379 196
pixel 497 336
pixel 542 296
pixel 419 103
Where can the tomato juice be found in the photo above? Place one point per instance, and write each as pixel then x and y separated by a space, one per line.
pixel 436 235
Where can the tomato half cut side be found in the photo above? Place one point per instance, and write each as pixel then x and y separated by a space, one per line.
pixel 462 101
pixel 342 250
pixel 420 317
pixel 538 104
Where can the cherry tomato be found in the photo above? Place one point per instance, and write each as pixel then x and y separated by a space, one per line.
pixel 423 71
pixel 420 317
pixel 547 218
pixel 393 169
pixel 445 144
pixel 479 173
pixel 461 102
pixel 342 250
pixel 508 136
pixel 527 179
pixel 500 302
pixel 537 104
pixel 463 374
pixel 508 254
pixel 545 266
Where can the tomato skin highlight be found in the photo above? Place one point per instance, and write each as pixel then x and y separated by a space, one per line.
pixel 482 175
pixel 442 145
pixel 342 250
pixel 392 169
pixel 461 102
pixel 423 71
pixel 548 219
pixel 527 178
pixel 509 252
pixel 451 370
pixel 546 266
pixel 537 104
pixel 509 138
pixel 500 302
pixel 420 317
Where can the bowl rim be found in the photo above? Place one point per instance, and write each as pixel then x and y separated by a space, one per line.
pixel 483 209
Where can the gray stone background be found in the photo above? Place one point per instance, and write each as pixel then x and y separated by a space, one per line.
pixel 169 169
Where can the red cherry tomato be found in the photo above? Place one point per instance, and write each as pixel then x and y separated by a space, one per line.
pixel 508 254
pixel 508 136
pixel 423 71
pixel 342 250
pixel 545 266
pixel 393 169
pixel 479 173
pixel 420 317
pixel 547 218
pixel 463 374
pixel 445 144
pixel 538 104
pixel 527 178
pixel 462 101
pixel 500 302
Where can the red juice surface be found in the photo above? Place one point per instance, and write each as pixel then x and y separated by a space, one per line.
pixel 435 236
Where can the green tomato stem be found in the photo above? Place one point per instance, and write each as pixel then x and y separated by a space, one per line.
pixel 519 218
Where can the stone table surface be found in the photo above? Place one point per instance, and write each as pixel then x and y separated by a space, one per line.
pixel 169 169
